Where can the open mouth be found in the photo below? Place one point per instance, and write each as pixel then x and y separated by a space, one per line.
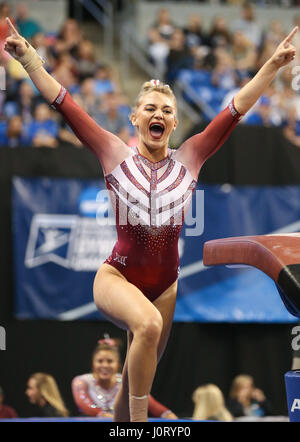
pixel 156 130
pixel 104 372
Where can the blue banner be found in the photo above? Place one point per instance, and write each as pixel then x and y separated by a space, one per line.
pixel 63 230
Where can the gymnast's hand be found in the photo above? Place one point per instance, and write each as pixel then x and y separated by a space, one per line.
pixel 15 44
pixel 105 414
pixel 170 415
pixel 285 52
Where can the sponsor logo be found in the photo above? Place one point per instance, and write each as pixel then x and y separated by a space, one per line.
pixel 74 242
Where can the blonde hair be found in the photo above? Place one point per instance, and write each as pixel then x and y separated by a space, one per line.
pixel 209 403
pixel 154 86
pixel 48 389
pixel 237 383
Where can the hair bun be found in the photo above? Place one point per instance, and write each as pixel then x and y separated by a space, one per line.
pixel 155 83
pixel 107 341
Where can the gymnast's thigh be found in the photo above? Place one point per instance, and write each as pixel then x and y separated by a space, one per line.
pixel 120 301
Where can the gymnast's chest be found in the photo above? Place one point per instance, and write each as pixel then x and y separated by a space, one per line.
pixel 153 192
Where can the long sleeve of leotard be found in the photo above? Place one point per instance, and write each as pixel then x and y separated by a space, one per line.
pixel 109 149
pixel 198 148
pixel 155 408
pixel 82 398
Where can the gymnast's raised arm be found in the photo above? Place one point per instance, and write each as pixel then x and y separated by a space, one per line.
pixel 250 93
pixel 198 148
pixel 110 150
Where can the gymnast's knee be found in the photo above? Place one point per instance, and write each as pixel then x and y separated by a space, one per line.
pixel 149 330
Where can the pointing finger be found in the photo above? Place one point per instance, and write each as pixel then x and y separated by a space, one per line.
pixel 290 36
pixel 12 29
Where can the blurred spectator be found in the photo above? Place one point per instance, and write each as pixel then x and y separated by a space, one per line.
pixel 267 50
pixel 219 34
pixel 292 132
pixel 272 38
pixel 243 53
pixel 179 57
pixel 230 94
pixel 159 36
pixel 42 391
pixel 194 33
pixel 275 33
pixel 23 103
pixel 247 400
pixel 43 130
pixel 248 25
pixel 286 93
pixel 12 133
pixel 105 81
pixel 6 412
pixel 69 38
pixel 266 112
pixel 164 24
pixel 158 51
pixel 223 74
pixel 65 72
pixel 262 115
pixel 209 404
pixel 26 26
pixel 111 118
pixel 90 101
pixel 85 59
pixel 203 58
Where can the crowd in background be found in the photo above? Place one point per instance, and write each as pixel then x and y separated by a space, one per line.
pixel 213 63
pixel 25 118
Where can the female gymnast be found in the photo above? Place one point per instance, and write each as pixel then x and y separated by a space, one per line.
pixel 95 393
pixel 152 185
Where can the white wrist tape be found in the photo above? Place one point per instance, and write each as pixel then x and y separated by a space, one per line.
pixel 31 59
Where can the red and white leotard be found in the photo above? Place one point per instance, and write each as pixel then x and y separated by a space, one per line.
pixel 149 199
pixel 94 400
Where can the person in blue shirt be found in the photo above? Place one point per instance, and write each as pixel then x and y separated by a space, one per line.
pixel 43 130
pixel 27 26
pixel 22 102
pixel 12 133
pixel 103 83
pixel 111 118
